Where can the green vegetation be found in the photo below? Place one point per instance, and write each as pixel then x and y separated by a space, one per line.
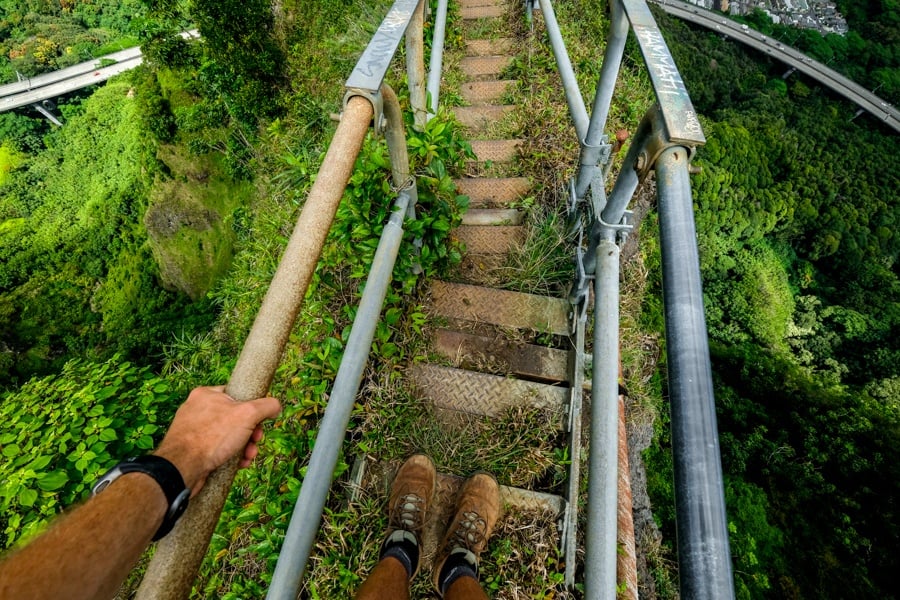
pixel 61 432
pixel 795 211
pixel 43 35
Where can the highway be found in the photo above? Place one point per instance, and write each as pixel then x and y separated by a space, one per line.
pixel 831 79
pixel 58 83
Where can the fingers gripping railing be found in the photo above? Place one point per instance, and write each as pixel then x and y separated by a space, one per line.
pixel 664 142
pixel 172 570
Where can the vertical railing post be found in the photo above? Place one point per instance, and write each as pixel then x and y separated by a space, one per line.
pixel 701 524
pixel 600 536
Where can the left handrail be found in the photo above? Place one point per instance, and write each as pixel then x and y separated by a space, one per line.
pixel 171 572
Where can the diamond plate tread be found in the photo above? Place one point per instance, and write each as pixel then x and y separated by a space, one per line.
pixel 472 13
pixel 479 118
pixel 483 394
pixel 495 150
pixel 489 47
pixel 490 239
pixel 493 216
pixel 500 307
pixel 485 92
pixel 481 66
pixel 500 355
pixel 486 190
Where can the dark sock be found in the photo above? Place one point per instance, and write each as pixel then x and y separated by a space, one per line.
pixel 402 546
pixel 460 563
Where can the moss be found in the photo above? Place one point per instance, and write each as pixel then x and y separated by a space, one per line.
pixel 189 220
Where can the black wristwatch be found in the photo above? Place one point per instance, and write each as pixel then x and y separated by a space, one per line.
pixel 165 474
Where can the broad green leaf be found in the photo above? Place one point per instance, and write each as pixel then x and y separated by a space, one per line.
pixel 53 480
pixel 27 497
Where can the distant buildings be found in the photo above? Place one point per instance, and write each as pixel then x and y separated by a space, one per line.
pixel 821 15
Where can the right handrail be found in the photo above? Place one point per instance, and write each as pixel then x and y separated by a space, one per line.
pixel 665 141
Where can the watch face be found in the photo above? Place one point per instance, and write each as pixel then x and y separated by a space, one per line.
pixel 180 504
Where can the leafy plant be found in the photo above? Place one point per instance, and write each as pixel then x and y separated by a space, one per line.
pixel 57 435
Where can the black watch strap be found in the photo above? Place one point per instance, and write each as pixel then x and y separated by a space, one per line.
pixel 165 474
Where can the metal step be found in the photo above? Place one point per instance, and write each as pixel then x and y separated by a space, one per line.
pixel 493 216
pixel 500 307
pixel 490 239
pixel 495 150
pixel 483 66
pixel 486 395
pixel 486 92
pixel 474 3
pixel 502 355
pixel 479 118
pixel 492 191
pixel 481 12
pixel 490 47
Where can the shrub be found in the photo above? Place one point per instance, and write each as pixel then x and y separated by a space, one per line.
pixel 57 435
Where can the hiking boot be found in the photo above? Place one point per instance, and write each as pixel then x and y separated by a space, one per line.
pixel 411 494
pixel 477 510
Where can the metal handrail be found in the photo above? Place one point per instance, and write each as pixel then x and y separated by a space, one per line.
pixel 171 572
pixel 664 141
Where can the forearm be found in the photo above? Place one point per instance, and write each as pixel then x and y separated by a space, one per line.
pixel 88 553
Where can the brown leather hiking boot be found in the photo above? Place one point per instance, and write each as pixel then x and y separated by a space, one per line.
pixel 477 511
pixel 411 494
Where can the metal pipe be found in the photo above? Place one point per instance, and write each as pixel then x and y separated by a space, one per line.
pixel 701 524
pixel 415 66
pixel 305 520
pixel 629 178
pixel 600 537
pixel 606 84
pixel 171 572
pixel 307 512
pixel 577 110
pixel 436 63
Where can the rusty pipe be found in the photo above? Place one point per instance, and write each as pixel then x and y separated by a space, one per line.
pixel 171 573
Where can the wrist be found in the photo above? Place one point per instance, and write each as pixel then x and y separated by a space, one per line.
pixel 190 466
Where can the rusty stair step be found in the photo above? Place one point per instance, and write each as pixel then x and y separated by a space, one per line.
pixel 493 216
pixel 490 47
pixel 501 151
pixel 490 239
pixel 479 118
pixel 500 307
pixel 493 191
pixel 487 395
pixel 486 92
pixel 484 66
pixel 471 13
pixel 473 3
pixel 476 352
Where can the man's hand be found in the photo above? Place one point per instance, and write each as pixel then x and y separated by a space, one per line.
pixel 210 428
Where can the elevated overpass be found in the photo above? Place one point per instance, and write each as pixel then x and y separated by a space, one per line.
pixel 877 107
pixel 34 90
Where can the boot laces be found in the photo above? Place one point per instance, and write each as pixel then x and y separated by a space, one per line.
pixel 470 530
pixel 408 514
